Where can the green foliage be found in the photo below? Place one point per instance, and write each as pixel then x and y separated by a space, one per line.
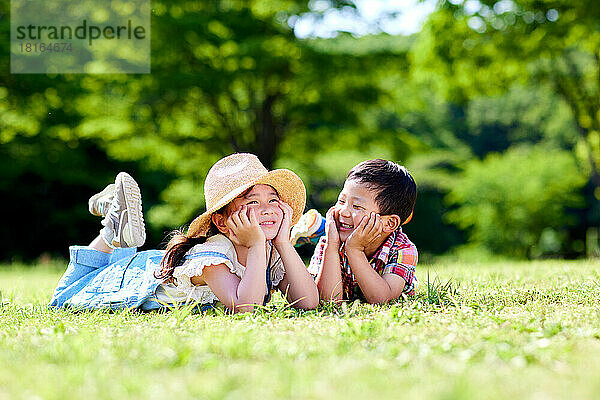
pixel 527 114
pixel 508 200
pixel 231 76
pixel 226 77
pixel 489 46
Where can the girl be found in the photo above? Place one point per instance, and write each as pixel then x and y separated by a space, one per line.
pixel 236 252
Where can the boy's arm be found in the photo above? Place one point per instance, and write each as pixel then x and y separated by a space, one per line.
pixel 375 288
pixel 297 283
pixel 329 278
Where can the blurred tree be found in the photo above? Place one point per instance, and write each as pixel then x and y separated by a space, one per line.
pixel 236 79
pixel 231 76
pixel 508 201
pixel 486 46
pixel 524 114
pixel 522 71
pixel 226 76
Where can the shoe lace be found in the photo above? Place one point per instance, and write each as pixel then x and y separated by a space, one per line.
pixel 113 212
pixel 103 204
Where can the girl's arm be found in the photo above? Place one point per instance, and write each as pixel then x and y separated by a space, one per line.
pixel 329 279
pixel 241 295
pixel 297 283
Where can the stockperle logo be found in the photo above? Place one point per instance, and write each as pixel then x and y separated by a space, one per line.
pixel 100 36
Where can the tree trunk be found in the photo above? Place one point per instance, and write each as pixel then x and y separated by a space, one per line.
pixel 267 133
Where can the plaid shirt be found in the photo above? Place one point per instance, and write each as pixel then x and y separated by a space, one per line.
pixel 397 255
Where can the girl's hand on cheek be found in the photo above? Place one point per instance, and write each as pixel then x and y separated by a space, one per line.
pixel 244 229
pixel 283 235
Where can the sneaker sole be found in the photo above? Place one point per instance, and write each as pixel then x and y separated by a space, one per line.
pixel 133 201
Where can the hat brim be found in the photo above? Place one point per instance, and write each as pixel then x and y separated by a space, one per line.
pixel 288 185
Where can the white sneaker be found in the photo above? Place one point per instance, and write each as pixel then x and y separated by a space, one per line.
pixel 99 203
pixel 124 220
pixel 310 226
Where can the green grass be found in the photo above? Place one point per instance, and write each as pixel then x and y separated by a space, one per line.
pixel 493 331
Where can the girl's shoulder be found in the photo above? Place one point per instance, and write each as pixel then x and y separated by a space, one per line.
pixel 215 251
pixel 219 244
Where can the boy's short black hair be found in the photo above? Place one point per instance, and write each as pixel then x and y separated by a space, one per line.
pixel 396 189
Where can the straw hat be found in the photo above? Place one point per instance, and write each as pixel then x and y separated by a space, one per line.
pixel 233 175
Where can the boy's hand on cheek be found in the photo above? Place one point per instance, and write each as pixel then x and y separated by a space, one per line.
pixel 283 235
pixel 368 231
pixel 244 229
pixel 333 236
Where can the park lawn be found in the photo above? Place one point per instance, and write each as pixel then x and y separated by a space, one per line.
pixel 495 331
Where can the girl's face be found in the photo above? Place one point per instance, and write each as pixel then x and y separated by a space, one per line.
pixel 264 200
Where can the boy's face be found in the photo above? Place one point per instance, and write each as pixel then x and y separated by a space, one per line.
pixel 354 202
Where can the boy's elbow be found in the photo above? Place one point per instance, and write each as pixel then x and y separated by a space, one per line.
pixel 377 300
pixel 380 298
pixel 331 297
pixel 384 294
pixel 327 294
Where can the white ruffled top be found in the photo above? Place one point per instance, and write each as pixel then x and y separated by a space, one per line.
pixel 217 249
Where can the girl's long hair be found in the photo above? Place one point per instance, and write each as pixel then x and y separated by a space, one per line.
pixel 179 244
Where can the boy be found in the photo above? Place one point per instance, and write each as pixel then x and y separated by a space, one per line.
pixel 364 253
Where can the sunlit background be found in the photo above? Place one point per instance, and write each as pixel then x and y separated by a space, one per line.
pixel 492 105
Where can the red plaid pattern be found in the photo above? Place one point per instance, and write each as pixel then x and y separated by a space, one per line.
pixel 397 255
